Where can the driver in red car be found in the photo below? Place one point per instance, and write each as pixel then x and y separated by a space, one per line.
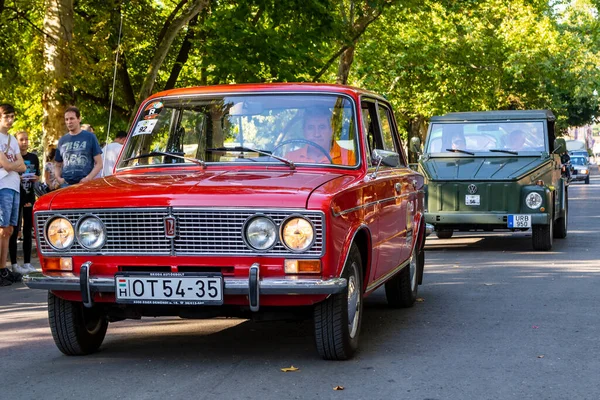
pixel 320 146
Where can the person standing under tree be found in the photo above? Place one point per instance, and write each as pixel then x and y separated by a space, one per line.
pixel 78 155
pixel 27 198
pixel 112 151
pixel 11 164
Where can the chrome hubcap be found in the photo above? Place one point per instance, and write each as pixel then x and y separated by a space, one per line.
pixel 353 302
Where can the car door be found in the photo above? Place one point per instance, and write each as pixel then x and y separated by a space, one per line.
pixel 390 187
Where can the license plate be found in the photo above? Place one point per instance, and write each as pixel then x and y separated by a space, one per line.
pixel 472 200
pixel 519 221
pixel 169 288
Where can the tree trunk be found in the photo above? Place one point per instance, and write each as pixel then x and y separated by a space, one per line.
pixel 344 67
pixel 417 127
pixel 58 91
pixel 165 44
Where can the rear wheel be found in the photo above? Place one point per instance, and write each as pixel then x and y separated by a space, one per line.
pixel 560 225
pixel 76 330
pixel 587 180
pixel 337 319
pixel 401 291
pixel 444 233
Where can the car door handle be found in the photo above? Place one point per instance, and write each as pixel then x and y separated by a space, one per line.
pixel 398 187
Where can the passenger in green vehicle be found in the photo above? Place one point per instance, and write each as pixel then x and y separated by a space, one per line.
pixel 516 140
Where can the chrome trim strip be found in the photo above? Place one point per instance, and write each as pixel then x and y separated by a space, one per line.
pixel 233 286
pixel 353 209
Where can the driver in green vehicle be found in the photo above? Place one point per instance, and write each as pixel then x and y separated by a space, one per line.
pixel 319 145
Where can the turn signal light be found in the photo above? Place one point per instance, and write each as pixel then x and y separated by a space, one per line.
pixel 58 264
pixel 302 266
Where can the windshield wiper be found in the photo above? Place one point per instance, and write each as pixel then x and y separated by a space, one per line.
pixel 267 153
pixel 504 151
pixel 460 151
pixel 168 154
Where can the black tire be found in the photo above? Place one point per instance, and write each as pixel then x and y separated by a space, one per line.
pixel 587 180
pixel 336 331
pixel 444 233
pixel 560 225
pixel 401 291
pixel 542 236
pixel 76 330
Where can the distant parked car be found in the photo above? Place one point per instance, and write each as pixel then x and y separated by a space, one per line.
pixel 581 169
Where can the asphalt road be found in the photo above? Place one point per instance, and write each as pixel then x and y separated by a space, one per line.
pixel 495 320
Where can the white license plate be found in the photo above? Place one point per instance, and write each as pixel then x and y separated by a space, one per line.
pixel 169 288
pixel 472 200
pixel 519 221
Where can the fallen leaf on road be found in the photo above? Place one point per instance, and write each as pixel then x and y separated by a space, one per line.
pixel 420 300
pixel 290 369
pixel 338 388
pixel 456 266
pixel 541 356
pixel 488 284
pixel 534 327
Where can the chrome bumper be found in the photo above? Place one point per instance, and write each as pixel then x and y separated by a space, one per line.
pixel 253 286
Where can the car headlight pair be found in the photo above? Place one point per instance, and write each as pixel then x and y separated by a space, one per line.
pixel 297 233
pixel 90 233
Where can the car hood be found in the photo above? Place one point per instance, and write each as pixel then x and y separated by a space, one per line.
pixel 289 189
pixel 480 168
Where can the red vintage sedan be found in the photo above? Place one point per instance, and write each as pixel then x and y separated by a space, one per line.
pixel 238 200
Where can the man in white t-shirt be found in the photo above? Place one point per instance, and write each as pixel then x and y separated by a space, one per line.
pixel 111 152
pixel 11 164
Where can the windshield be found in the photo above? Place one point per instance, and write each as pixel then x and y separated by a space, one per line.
pixel 287 128
pixel 486 137
pixel 578 161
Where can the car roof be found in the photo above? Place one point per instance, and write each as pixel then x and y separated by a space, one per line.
pixel 267 87
pixel 498 115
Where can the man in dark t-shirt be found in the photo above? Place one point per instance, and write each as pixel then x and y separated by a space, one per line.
pixel 78 155
pixel 26 200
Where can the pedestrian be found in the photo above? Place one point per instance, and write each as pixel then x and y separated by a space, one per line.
pixel 87 127
pixel 11 164
pixel 26 200
pixel 112 151
pixel 78 155
pixel 49 176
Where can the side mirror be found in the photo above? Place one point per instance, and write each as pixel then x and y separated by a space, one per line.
pixel 415 144
pixel 387 158
pixel 560 146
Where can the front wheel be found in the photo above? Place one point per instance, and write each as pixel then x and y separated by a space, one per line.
pixel 337 319
pixel 542 236
pixel 76 330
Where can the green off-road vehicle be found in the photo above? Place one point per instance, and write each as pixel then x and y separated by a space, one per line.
pixel 495 170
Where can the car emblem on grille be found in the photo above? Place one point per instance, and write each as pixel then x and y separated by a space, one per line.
pixel 472 189
pixel 170 227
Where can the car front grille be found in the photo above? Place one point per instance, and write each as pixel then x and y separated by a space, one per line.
pixel 198 231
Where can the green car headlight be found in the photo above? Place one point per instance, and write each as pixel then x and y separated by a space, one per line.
pixel 533 200
pixel 60 233
pixel 91 233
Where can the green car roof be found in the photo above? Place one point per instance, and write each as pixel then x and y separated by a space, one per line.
pixel 494 115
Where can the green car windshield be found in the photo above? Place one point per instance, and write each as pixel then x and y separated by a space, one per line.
pixel 476 137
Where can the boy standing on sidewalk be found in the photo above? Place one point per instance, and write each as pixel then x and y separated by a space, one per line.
pixel 11 163
pixel 27 198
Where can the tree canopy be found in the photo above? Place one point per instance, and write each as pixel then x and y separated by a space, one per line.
pixel 428 57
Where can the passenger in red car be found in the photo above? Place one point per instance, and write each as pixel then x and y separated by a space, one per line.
pixel 320 143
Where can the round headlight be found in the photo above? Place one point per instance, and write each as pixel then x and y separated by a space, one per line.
pixel 297 234
pixel 260 233
pixel 91 233
pixel 533 200
pixel 60 233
